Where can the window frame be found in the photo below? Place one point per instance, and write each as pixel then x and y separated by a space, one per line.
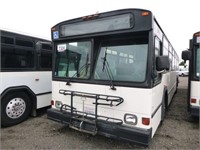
pixel 122 40
pixel 55 67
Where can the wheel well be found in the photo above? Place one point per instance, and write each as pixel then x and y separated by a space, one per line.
pixel 25 90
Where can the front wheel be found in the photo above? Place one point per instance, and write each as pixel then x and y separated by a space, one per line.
pixel 15 108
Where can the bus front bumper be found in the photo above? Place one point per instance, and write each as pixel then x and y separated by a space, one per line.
pixel 105 128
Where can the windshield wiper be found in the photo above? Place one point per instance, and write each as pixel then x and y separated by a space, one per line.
pixel 108 71
pixel 77 74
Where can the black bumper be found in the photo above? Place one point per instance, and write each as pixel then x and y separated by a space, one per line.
pixel 194 111
pixel 106 128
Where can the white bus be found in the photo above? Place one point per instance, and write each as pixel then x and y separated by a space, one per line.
pixel 193 55
pixel 114 74
pixel 25 76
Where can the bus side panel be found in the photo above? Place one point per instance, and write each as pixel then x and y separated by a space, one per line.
pixel 195 93
pixel 43 100
pixel 157 97
pixel 172 85
pixel 38 82
pixel 169 81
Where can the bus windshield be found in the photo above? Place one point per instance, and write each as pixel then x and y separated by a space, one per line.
pixel 198 62
pixel 73 59
pixel 122 60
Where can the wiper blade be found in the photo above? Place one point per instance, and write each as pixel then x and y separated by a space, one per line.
pixel 104 60
pixel 77 74
pixel 82 68
pixel 108 70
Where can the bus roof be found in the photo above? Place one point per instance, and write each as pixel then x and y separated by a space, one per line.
pixel 23 33
pixel 103 14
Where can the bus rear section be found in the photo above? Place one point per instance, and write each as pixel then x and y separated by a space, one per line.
pixel 26 64
pixel 112 80
pixel 193 55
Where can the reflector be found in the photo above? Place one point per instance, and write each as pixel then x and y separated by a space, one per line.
pixel 193 100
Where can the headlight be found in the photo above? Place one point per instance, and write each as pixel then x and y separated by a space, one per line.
pixel 130 119
pixel 58 104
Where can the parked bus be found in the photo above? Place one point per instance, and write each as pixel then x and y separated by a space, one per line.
pixel 26 74
pixel 193 55
pixel 114 74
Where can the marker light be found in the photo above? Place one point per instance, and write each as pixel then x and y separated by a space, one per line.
pixel 193 100
pixel 130 119
pixel 197 34
pixel 53 29
pixel 146 121
pixel 90 17
pixel 145 13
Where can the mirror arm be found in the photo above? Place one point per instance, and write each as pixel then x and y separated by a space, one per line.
pixel 162 71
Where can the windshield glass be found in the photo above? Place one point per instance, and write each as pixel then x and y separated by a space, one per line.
pixel 198 62
pixel 73 59
pixel 122 60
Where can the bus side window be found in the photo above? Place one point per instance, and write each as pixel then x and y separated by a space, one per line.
pixel 46 59
pixel 158 46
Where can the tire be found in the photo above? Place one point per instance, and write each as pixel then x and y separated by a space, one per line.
pixel 15 108
pixel 164 107
pixel 177 82
pixel 163 111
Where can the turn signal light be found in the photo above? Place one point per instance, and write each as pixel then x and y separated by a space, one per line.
pixel 146 121
pixel 52 102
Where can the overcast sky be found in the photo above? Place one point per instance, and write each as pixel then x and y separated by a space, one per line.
pixel 179 19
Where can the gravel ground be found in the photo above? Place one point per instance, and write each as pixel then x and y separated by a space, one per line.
pixel 178 131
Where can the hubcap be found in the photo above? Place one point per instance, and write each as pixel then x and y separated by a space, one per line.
pixel 15 108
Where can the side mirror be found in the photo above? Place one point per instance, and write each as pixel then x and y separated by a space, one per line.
pixel 162 63
pixel 186 55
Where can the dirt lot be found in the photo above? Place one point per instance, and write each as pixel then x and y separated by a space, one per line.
pixel 178 131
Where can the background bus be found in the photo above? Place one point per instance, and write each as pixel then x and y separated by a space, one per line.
pixel 114 74
pixel 25 76
pixel 193 55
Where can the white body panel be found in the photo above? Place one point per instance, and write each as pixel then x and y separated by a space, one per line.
pixel 195 92
pixel 43 100
pixel 39 82
pixel 134 99
pixel 142 102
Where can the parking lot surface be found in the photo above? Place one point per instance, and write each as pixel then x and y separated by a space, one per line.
pixel 178 131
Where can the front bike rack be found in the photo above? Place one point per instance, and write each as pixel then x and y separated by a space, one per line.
pixel 87 122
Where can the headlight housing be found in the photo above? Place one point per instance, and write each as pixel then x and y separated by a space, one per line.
pixel 130 119
pixel 58 104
